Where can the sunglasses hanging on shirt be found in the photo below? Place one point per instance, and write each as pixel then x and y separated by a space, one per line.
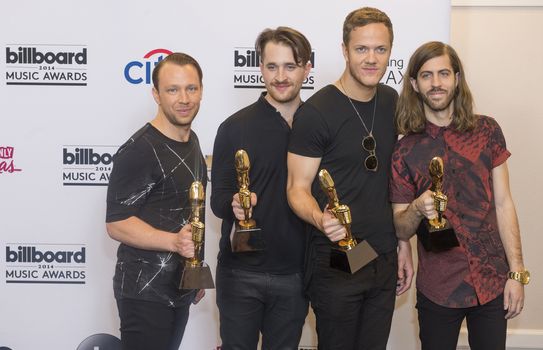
pixel 370 145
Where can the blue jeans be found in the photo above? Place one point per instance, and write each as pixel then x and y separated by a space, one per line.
pixel 440 326
pixel 253 302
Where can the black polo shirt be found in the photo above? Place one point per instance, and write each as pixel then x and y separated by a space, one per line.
pixel 263 133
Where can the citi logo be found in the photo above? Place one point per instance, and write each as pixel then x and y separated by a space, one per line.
pixel 30 254
pixel 251 59
pixel 137 72
pixel 32 55
pixel 85 156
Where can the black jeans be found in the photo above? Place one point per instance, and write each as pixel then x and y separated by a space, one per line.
pixel 354 311
pixel 440 326
pixel 151 326
pixel 253 302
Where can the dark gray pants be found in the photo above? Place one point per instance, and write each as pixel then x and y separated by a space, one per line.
pixel 354 311
pixel 253 302
pixel 146 325
pixel 440 326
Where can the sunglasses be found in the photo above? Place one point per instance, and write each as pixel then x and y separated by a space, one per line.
pixel 370 145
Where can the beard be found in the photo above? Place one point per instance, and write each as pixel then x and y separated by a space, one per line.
pixel 438 106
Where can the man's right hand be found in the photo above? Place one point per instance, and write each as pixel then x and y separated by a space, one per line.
pixel 425 205
pixel 184 245
pixel 238 210
pixel 331 226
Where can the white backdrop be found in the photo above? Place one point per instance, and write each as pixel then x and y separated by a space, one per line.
pixel 63 115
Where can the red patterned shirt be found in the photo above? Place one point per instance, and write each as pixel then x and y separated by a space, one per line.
pixel 476 271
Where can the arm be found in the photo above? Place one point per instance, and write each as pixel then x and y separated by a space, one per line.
pixel 407 217
pixel 225 202
pixel 137 233
pixel 223 175
pixel 510 237
pixel 301 173
pixel 405 267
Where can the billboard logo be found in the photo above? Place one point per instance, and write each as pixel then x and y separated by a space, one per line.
pixel 138 72
pixel 87 165
pixel 40 64
pixel 30 254
pixel 7 164
pixel 247 72
pixel 45 263
pixel 31 55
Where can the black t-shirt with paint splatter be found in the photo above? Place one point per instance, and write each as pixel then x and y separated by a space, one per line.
pixel 150 180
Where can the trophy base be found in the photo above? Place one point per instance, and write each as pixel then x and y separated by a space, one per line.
pixel 436 240
pixel 352 260
pixel 198 277
pixel 247 240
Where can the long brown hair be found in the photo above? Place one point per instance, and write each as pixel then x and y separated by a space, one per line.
pixel 409 110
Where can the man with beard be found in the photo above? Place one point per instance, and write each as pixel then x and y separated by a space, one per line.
pixel 261 291
pixel 148 211
pixel 347 129
pixel 481 278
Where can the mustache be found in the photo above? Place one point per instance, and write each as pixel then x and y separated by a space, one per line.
pixel 282 82
pixel 437 90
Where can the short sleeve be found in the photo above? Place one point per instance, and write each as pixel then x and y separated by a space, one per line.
pixel 310 133
pixel 498 145
pixel 130 183
pixel 401 185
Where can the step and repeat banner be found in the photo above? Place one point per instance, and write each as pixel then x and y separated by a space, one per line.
pixel 75 84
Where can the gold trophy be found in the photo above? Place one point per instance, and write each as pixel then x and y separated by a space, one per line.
pixel 247 236
pixel 437 235
pixel 196 274
pixel 349 256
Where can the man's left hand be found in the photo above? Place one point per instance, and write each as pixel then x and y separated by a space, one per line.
pixel 513 298
pixel 405 267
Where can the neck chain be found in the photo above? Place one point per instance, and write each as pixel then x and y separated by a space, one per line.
pixel 370 132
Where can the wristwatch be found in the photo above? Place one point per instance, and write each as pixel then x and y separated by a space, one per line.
pixel 522 276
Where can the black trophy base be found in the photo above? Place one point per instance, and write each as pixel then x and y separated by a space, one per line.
pixel 247 240
pixel 198 277
pixel 352 260
pixel 436 240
